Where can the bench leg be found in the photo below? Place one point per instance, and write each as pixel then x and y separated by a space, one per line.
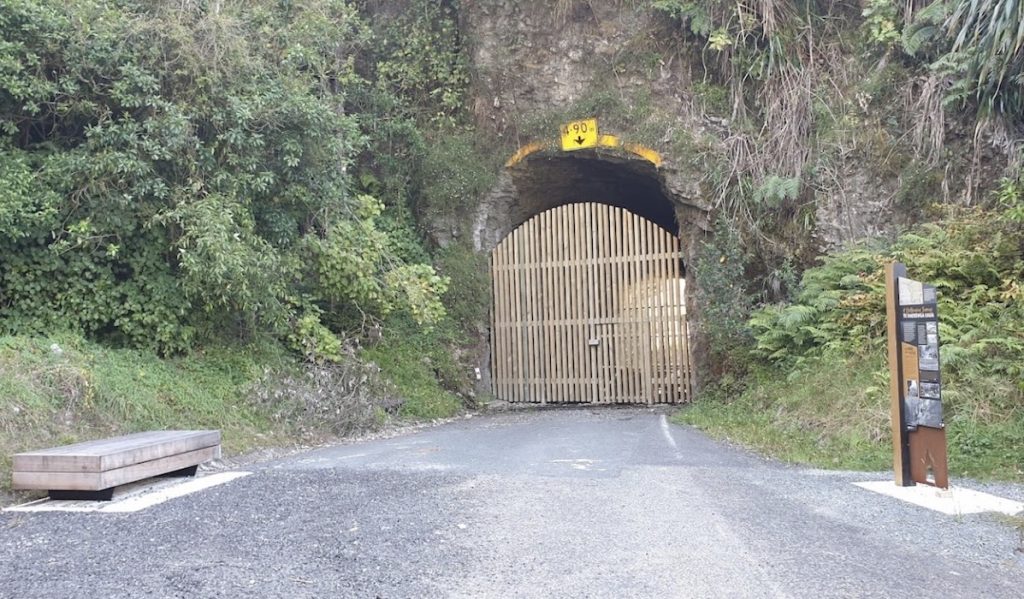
pixel 184 472
pixel 104 495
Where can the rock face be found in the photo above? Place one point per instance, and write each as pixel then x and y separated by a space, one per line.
pixel 571 58
pixel 537 57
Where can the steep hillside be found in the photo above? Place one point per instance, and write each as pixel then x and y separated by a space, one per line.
pixel 325 179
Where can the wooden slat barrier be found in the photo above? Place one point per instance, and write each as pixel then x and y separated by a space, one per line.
pixel 589 307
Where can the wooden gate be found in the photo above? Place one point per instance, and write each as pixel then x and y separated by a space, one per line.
pixel 589 307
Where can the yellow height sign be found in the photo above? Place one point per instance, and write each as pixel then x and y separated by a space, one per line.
pixel 578 135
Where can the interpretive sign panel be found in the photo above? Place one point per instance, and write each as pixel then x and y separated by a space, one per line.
pixel 919 438
pixel 919 336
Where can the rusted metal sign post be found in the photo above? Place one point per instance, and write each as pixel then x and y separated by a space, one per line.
pixel 918 432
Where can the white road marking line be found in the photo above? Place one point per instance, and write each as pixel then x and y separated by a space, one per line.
pixel 667 432
pixel 141 502
pixel 955 501
pixel 580 464
pixel 132 502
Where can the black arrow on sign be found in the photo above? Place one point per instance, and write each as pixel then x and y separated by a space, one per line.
pixel 579 140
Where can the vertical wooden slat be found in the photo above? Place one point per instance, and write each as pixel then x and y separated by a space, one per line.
pixel 590 306
pixel 544 297
pixel 654 271
pixel 687 364
pixel 633 330
pixel 673 318
pixel 538 327
pixel 652 277
pixel 643 348
pixel 673 315
pixel 537 349
pixel 532 300
pixel 587 305
pixel 578 366
pixel 684 338
pixel 580 337
pixel 651 301
pixel 511 326
pixel 570 305
pixel 655 293
pixel 505 339
pixel 638 347
pixel 628 327
pixel 684 375
pixel 509 332
pixel 517 331
pixel 554 292
pixel 583 389
pixel 665 306
pixel 515 328
pixel 607 270
pixel 566 310
pixel 607 214
pixel 522 270
pixel 611 309
pixel 498 352
pixel 595 233
pixel 617 279
pixel 602 303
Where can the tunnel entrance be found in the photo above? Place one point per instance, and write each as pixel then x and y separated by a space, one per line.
pixel 589 305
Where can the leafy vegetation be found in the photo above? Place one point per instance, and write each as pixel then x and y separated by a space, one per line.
pixel 722 295
pixel 817 386
pixel 180 173
pixel 63 389
pixel 207 219
pixel 422 367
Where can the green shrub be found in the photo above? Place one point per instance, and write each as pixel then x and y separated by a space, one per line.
pixel 820 394
pixel 168 169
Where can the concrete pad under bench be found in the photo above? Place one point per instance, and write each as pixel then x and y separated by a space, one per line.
pixel 92 469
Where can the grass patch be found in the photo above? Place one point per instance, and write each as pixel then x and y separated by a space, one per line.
pixel 420 364
pixel 833 412
pixel 64 389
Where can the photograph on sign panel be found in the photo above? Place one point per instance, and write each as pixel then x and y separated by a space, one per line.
pixel 931 328
pixel 930 390
pixel 928 357
pixel 910 411
pixel 912 403
pixel 929 413
pixel 911 292
pixel 910 332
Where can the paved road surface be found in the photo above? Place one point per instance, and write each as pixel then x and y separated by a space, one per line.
pixel 557 503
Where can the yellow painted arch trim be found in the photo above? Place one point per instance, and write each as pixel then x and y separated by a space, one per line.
pixel 525 151
pixel 605 141
pixel 646 153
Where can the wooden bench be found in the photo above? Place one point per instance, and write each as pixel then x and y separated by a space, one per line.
pixel 92 469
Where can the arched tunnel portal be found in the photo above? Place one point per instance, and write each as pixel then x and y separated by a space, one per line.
pixel 591 291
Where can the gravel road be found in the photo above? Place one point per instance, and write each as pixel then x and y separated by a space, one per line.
pixel 545 503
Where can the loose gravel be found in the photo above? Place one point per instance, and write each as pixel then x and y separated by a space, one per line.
pixel 544 503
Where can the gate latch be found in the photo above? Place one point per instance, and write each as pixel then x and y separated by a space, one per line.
pixel 594 342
